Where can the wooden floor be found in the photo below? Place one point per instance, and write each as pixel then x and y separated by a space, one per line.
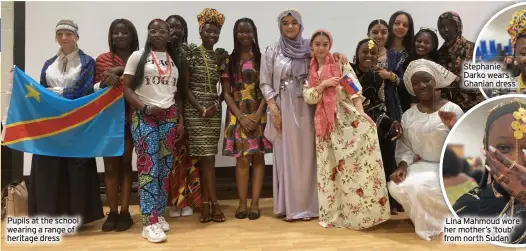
pixel 267 233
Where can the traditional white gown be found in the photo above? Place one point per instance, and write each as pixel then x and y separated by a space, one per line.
pixel 421 146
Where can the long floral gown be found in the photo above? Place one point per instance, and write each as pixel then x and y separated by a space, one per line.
pixel 352 190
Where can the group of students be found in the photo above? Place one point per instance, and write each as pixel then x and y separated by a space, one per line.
pixel 350 159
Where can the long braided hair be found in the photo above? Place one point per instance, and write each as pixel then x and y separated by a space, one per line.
pixel 234 58
pixel 174 55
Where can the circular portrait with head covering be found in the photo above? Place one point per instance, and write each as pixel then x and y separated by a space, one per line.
pixel 500 42
pixel 484 168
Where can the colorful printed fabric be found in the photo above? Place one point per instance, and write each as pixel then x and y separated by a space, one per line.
pixel 185 184
pixel 154 141
pixel 517 26
pixel 247 95
pixel 203 133
pixel 451 56
pixel 210 16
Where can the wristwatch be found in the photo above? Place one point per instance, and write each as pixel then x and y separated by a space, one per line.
pixel 147 110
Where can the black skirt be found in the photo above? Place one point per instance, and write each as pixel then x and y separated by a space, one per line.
pixel 64 187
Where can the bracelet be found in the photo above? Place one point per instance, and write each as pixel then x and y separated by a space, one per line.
pixel 204 111
pixel 275 108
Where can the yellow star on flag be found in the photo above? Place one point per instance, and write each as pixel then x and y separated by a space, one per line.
pixel 32 93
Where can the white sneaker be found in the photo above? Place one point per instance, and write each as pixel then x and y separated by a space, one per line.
pixel 163 224
pixel 174 212
pixel 153 233
pixel 187 211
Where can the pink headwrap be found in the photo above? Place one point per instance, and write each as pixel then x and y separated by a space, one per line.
pixel 326 108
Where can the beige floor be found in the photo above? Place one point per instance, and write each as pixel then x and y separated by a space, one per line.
pixel 267 233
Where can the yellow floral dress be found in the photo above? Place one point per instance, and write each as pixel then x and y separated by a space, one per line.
pixel 352 191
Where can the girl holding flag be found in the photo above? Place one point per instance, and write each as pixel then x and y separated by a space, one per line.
pixel 352 190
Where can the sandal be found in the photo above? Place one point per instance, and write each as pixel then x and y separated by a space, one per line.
pixel 205 215
pixel 306 219
pixel 254 215
pixel 241 214
pixel 217 217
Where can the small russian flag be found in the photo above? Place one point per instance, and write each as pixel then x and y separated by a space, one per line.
pixel 350 83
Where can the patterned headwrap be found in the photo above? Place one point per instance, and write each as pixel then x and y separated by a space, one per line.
pixel 69 25
pixel 517 26
pixel 210 16
pixel 442 76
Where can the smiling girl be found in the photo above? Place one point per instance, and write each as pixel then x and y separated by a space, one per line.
pixel 151 81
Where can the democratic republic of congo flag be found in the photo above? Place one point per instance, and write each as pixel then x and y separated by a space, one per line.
pixel 42 122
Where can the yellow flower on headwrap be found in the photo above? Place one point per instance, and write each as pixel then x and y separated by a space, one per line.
pixel 517 26
pixel 209 15
pixel 370 44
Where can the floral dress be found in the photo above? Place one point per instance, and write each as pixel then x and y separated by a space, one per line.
pixel 352 191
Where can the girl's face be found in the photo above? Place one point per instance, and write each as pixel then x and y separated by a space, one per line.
pixel 368 57
pixel 423 44
pixel 500 136
pixel 120 36
pixel 290 27
pixel 176 28
pixel 66 39
pixel 447 29
pixel 520 54
pixel 379 33
pixel 423 85
pixel 244 33
pixel 320 46
pixel 210 34
pixel 159 34
pixel 401 26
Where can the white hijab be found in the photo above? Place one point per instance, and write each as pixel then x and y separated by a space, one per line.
pixel 442 76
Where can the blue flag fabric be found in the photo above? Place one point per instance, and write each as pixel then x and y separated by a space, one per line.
pixel 42 122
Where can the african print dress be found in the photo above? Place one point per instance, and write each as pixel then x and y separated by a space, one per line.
pixel 247 95
pixel 185 185
pixel 203 133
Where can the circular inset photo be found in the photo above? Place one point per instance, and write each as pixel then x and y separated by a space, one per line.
pixel 501 46
pixel 483 168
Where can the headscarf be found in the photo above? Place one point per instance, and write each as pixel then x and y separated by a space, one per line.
pixel 325 109
pixel 68 25
pixel 442 76
pixel 517 26
pixel 297 49
pixel 209 15
pixel 456 50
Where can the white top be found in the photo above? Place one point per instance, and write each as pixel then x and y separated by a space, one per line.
pixel 424 134
pixel 154 90
pixel 64 71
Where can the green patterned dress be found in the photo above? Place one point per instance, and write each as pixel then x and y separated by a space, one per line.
pixel 203 133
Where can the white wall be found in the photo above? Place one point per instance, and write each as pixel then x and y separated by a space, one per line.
pixel 347 21
pixel 496 30
pixel 470 131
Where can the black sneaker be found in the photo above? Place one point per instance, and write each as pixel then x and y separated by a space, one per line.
pixel 111 222
pixel 124 222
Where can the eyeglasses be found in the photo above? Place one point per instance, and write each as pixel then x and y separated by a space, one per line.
pixel 429 29
pixel 161 32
